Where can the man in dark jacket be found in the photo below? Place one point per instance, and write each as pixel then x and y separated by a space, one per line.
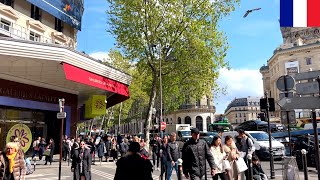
pixel 173 154
pixel 133 166
pixel 108 148
pixel 81 162
pixel 195 153
pixel 155 144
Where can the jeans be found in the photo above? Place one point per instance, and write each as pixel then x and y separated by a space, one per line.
pixel 155 157
pixel 170 168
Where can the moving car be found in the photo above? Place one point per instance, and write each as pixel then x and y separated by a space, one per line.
pixel 258 125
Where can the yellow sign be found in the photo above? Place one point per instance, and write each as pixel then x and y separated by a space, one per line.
pixel 23 133
pixel 95 106
pixel 98 104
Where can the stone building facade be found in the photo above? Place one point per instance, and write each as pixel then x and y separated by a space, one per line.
pixel 243 109
pixel 300 52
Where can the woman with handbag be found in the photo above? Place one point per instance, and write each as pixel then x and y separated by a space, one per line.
pixel 219 156
pixel 49 151
pixel 232 155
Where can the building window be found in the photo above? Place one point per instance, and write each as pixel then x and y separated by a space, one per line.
pixel 244 115
pixel 58 25
pixel 308 61
pixel 35 12
pixel 235 108
pixel 34 36
pixel 236 121
pixel 236 115
pixel 5 25
pixel 7 2
pixel 239 114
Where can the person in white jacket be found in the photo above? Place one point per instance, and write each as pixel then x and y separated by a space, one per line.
pixel 218 155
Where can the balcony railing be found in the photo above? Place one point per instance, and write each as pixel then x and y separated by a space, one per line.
pixel 196 107
pixel 18 32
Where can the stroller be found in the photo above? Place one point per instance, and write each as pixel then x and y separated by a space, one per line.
pixel 28 166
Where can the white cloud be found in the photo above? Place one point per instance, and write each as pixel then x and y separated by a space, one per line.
pixel 100 55
pixel 239 83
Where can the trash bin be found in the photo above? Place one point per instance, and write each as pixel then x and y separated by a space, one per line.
pixel 290 169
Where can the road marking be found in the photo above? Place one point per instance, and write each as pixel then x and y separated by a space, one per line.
pixel 102 174
pixel 49 178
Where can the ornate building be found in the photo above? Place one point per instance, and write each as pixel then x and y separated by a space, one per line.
pixel 300 52
pixel 243 109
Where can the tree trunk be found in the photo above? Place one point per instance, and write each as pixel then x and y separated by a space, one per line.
pixel 119 120
pixel 110 113
pixel 91 124
pixel 151 105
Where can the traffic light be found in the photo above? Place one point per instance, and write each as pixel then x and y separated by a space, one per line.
pixel 263 104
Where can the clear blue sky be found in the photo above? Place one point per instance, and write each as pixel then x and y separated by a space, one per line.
pixel 252 41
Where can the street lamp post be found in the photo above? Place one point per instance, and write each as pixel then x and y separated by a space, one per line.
pixel 270 139
pixel 160 79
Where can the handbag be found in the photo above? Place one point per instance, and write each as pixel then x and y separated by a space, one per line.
pixel 241 165
pixel 226 165
pixel 47 152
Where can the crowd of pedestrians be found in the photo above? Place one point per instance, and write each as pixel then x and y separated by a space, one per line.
pixel 134 163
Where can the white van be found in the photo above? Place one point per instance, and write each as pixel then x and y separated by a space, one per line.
pixel 260 141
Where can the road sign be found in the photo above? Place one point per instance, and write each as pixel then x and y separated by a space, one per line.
pixel 285 83
pixel 292 117
pixel 282 95
pixel 61 115
pixel 306 75
pixel 163 126
pixel 299 103
pixel 307 88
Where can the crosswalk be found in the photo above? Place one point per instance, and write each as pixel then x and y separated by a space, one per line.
pixel 45 177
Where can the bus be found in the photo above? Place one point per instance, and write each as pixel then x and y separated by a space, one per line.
pixel 220 127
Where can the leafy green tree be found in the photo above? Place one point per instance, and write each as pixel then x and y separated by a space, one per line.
pixel 138 96
pixel 180 37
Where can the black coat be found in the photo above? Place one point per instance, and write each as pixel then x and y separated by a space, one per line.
pixel 256 169
pixel 133 167
pixel 155 146
pixel 84 162
pixel 194 156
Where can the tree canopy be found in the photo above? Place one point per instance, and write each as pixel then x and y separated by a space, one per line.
pixel 181 35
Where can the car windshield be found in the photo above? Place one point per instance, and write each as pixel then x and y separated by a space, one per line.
pixel 260 136
pixel 185 133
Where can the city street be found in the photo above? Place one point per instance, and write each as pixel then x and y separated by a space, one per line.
pixel 107 171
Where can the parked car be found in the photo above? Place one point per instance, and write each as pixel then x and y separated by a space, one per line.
pixel 258 125
pixel 260 141
pixel 208 136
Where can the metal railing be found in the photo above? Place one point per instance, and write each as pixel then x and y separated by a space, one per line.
pixel 19 32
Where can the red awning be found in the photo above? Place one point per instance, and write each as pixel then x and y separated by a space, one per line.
pixel 91 79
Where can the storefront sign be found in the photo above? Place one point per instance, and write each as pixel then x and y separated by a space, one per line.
pixel 23 94
pixel 23 133
pixel 85 77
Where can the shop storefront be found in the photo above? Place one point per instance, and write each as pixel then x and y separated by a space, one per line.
pixel 33 77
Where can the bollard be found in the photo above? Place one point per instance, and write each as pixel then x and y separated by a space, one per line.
pixel 250 174
pixel 304 163
pixel 161 165
pixel 179 169
pixel 34 163
pixel 69 158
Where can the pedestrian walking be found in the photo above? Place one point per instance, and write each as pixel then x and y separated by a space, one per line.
pixel 218 155
pixel 100 150
pixel 12 164
pixel 123 147
pixel 66 148
pixel 173 154
pixel 232 155
pixel 164 156
pixel 35 146
pixel 92 147
pixel 114 150
pixel 49 151
pixel 133 166
pixel 107 152
pixel 245 147
pixel 155 144
pixel 195 153
pixel 81 162
pixel 42 147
